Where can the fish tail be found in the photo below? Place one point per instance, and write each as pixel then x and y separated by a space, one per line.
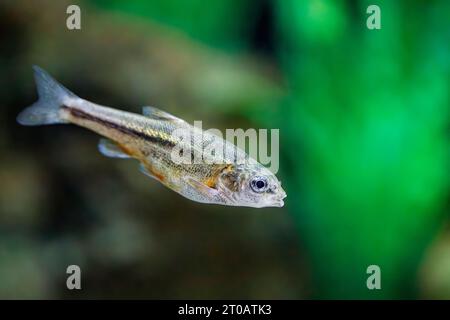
pixel 47 109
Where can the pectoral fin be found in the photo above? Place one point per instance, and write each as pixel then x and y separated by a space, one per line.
pixel 202 188
pixel 111 149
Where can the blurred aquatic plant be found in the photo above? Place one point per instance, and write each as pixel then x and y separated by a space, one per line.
pixel 221 23
pixel 368 112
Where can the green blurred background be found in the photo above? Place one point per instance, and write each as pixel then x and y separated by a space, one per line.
pixel 364 149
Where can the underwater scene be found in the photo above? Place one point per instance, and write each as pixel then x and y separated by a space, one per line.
pixel 345 194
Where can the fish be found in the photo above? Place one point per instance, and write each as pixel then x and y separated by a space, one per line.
pixel 150 138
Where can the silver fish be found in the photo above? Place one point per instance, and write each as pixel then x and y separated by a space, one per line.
pixel 149 138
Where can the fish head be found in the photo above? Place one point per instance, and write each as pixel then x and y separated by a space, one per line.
pixel 251 185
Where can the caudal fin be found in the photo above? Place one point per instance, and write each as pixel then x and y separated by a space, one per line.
pixel 52 96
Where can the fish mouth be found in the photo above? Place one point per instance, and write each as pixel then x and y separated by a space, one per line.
pixel 279 202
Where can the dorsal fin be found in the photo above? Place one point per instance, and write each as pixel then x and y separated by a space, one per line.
pixel 158 114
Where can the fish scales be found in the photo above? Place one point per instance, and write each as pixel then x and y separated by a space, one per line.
pixel 235 180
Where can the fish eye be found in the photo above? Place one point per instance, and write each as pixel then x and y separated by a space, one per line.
pixel 259 184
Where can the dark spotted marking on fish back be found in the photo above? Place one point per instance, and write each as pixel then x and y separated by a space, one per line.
pixel 125 130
